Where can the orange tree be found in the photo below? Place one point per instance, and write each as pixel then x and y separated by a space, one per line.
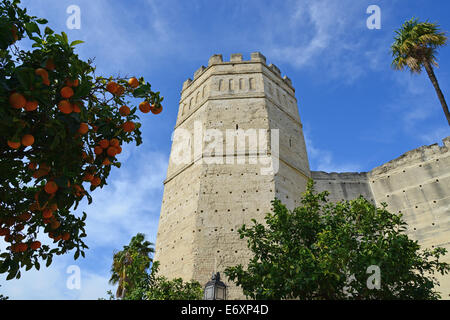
pixel 61 130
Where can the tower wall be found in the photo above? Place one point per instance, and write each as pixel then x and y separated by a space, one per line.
pixel 219 189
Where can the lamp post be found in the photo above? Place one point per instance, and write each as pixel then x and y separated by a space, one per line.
pixel 215 289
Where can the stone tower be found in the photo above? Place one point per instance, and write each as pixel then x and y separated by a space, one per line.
pixel 238 144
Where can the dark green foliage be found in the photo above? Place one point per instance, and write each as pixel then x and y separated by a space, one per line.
pixel 136 282
pixel 322 250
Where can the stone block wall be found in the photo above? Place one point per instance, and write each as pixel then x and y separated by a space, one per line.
pixel 416 184
pixel 207 198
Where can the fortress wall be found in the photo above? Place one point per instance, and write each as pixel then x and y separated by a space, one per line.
pixel 343 186
pixel 230 196
pixel 417 184
pixel 175 237
pixel 205 201
pixel 197 232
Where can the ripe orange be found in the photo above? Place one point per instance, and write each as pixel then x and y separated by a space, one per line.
pixel 65 106
pixel 50 65
pixel 66 92
pixel 133 82
pixel 106 162
pixel 25 216
pixel 44 75
pixel 156 110
pixel 34 206
pixel 51 187
pixel 98 150
pixel 47 213
pixel 119 91
pixel 35 245
pixel 76 107
pixel 42 171
pixel 41 72
pixel 83 128
pixel 118 150
pixel 96 181
pixel 114 142
pixel 78 190
pixel 112 87
pixel 21 247
pixel 31 105
pixel 88 177
pixel 4 232
pixel 53 207
pixel 17 101
pixel 13 144
pixel 65 236
pixel 32 166
pixel 72 83
pixel 55 225
pixel 128 126
pixel 144 107
pixel 27 140
pixel 104 143
pixel 124 111
pixel 112 151
pixel 44 166
pixel 14 33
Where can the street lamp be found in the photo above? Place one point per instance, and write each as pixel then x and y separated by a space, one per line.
pixel 215 289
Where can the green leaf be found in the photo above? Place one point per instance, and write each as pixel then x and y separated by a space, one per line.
pixel 64 37
pixel 74 43
pixel 12 274
pixel 48 31
pixel 32 27
pixel 49 261
pixel 41 21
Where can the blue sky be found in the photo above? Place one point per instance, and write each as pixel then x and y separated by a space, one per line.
pixel 357 112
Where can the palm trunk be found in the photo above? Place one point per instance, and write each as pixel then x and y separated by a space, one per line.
pixel 435 83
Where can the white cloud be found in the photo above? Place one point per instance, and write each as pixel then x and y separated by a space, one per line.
pixel 51 284
pixel 329 35
pixel 415 103
pixel 128 205
pixel 435 135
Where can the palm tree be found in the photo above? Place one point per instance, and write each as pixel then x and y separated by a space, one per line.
pixel 130 264
pixel 415 46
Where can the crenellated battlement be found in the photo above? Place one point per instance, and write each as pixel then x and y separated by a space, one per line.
pixel 237 58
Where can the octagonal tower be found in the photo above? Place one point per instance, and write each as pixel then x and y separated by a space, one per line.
pixel 238 143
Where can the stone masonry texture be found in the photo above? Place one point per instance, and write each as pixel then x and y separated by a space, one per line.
pixel 215 184
pixel 416 184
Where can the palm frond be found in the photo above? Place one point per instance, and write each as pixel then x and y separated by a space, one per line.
pixel 416 42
